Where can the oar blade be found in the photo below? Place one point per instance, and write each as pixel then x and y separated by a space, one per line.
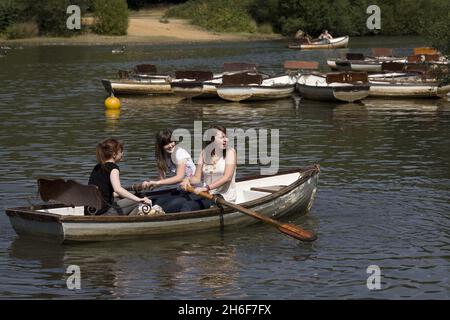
pixel 297 233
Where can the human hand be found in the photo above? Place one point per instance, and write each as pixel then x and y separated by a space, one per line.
pixel 146 201
pixel 185 184
pixel 200 189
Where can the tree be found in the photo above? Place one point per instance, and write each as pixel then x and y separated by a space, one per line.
pixel 110 17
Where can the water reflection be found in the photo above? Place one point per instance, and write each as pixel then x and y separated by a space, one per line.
pixel 207 263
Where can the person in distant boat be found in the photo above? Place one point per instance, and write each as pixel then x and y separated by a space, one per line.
pixel 303 37
pixel 216 171
pixel 326 36
pixel 106 176
pixel 171 160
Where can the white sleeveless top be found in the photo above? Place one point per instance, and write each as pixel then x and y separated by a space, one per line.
pixel 213 172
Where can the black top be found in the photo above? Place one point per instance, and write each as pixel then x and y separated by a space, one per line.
pixel 100 177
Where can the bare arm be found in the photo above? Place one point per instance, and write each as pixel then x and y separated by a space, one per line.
pixel 181 169
pixel 230 167
pixel 197 177
pixel 115 181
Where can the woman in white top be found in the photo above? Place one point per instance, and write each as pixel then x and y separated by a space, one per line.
pixel 216 170
pixel 171 160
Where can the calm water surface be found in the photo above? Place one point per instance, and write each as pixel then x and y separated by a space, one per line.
pixel 383 197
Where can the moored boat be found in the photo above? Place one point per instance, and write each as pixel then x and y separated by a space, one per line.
pixel 142 80
pixel 189 84
pixel 252 87
pixel 417 88
pixel 201 85
pixel 360 63
pixel 340 42
pixel 137 86
pixel 274 196
pixel 338 87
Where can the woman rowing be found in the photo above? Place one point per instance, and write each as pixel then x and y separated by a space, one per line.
pixel 216 171
pixel 106 176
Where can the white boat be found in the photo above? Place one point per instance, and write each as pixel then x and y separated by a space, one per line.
pixel 137 86
pixel 204 86
pixel 340 42
pixel 251 87
pixel 275 196
pixel 360 63
pixel 338 87
pixel 416 88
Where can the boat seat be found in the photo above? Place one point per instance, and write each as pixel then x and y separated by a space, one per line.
pixel 145 68
pixel 239 66
pixel 347 77
pixel 354 56
pixel 70 193
pixel 197 75
pixel 123 74
pixel 241 79
pixel 382 52
pixel 268 189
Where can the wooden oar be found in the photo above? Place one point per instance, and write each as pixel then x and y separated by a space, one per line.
pixel 138 187
pixel 286 228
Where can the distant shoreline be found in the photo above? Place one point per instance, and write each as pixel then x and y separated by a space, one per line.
pixel 146 27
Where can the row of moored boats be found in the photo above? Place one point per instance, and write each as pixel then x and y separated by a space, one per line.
pixel 354 78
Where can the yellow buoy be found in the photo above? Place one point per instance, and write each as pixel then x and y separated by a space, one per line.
pixel 112 103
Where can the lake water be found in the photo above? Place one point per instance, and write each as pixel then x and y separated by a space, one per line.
pixel 383 196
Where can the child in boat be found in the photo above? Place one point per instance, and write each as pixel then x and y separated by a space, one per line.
pixel 174 160
pixel 217 166
pixel 106 176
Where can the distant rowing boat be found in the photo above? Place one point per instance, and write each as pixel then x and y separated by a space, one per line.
pixel 341 42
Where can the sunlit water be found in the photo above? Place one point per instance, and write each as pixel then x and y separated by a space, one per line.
pixel 383 197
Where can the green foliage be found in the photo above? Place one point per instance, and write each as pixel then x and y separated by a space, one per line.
pixel 111 17
pixel 265 28
pixel 11 11
pixel 346 17
pixel 434 24
pixel 218 15
pixel 22 30
pixel 51 17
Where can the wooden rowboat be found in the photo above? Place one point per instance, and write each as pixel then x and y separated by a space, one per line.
pixel 142 86
pixel 274 196
pixel 407 89
pixel 204 86
pixel 338 87
pixel 341 42
pixel 360 63
pixel 252 87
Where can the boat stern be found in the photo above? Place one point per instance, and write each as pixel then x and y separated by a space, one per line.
pixel 30 223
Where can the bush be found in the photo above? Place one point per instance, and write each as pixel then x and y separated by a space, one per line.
pixel 11 12
pixel 22 30
pixel 265 28
pixel 110 17
pixel 51 17
pixel 219 15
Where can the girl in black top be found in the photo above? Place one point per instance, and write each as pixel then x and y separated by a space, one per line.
pixel 105 176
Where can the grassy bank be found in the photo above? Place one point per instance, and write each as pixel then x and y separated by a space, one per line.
pixel 145 27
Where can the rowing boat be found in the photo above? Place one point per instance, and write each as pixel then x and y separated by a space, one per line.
pixel 337 87
pixel 273 196
pixel 341 42
pixel 205 87
pixel 252 87
pixel 407 89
